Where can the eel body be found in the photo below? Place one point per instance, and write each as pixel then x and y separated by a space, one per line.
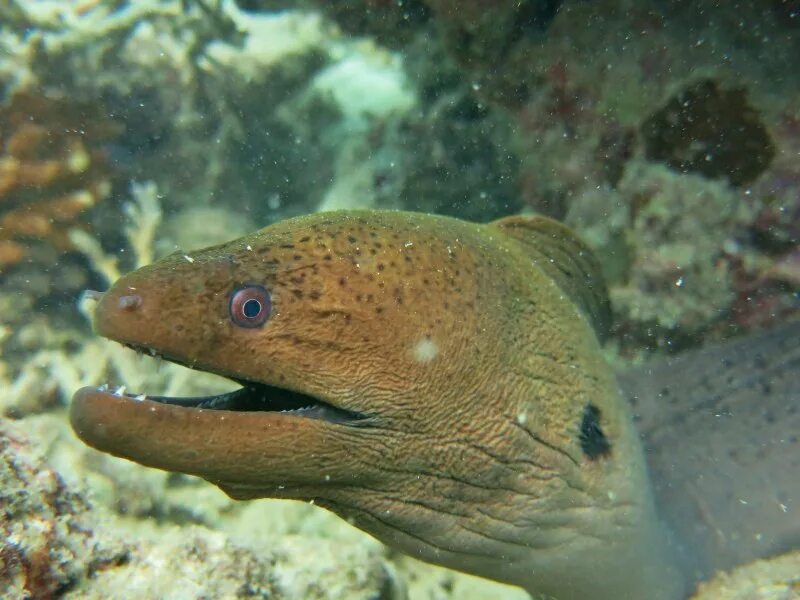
pixel 721 432
pixel 436 382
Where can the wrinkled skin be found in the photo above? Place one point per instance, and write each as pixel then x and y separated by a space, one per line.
pixel 469 362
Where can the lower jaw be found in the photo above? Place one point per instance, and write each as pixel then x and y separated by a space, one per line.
pixel 255 397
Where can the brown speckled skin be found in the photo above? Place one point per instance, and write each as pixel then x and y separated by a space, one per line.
pixel 473 367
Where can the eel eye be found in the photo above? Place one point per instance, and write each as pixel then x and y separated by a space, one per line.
pixel 250 306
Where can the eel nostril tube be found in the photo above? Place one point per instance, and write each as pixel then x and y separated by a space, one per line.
pixel 131 302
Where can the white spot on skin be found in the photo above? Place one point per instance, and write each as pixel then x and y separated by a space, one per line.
pixel 426 350
pixel 188 258
pixel 522 418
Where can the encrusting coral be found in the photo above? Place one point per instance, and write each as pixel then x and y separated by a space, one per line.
pixel 710 130
pixel 52 170
pixel 56 542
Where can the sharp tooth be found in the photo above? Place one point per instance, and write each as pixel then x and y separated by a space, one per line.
pixel 140 397
pixel 151 351
pixel 103 388
pixel 120 391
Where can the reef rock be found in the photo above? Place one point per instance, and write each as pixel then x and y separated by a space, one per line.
pixel 56 542
pixel 774 579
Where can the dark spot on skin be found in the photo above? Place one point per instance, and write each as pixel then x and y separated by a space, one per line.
pixel 407 258
pixel 343 281
pixel 347 318
pixel 305 238
pixel 351 239
pixel 287 246
pixel 297 257
pixel 327 257
pixel 314 295
pixel 593 441
pixel 381 266
pixel 297 294
pixel 379 310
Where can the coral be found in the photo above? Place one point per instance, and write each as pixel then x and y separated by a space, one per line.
pixel 56 543
pixel 709 130
pixel 52 169
pixel 396 23
pixel 64 362
pixel 668 243
pixel 777 578
pixel 178 563
pixel 143 219
pixel 48 540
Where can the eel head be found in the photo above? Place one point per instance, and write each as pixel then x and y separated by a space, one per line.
pixel 411 373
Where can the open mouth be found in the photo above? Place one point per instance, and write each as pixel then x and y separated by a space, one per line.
pixel 251 397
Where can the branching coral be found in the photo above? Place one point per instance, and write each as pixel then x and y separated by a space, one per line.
pixel 58 368
pixel 52 169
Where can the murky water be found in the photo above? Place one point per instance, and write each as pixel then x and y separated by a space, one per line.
pixel 666 135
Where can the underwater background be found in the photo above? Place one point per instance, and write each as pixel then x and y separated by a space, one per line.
pixel 667 133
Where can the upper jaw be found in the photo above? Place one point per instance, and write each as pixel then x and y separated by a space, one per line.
pixel 251 397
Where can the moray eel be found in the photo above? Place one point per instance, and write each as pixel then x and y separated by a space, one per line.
pixel 438 383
